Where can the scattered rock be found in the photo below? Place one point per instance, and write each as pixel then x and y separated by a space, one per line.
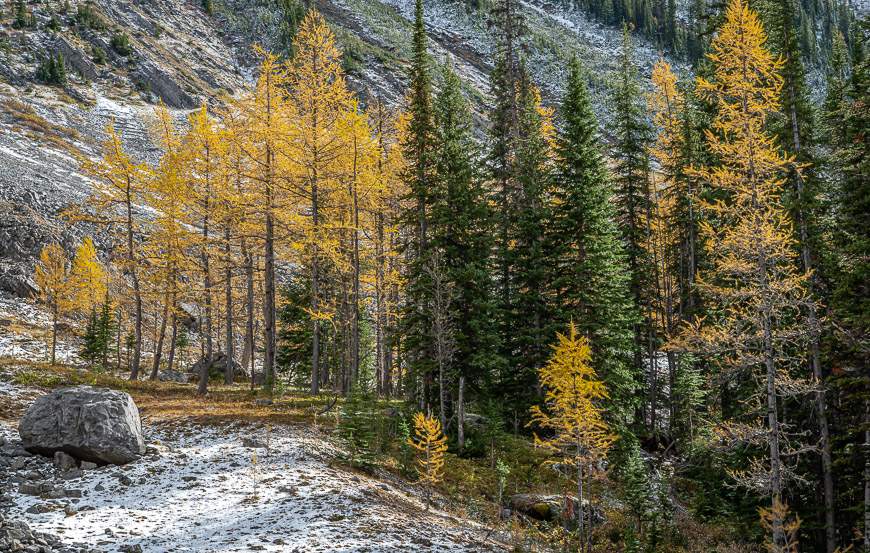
pixel 39 508
pixel 97 425
pixel 253 443
pixel 125 480
pixel 175 376
pixel 127 548
pixel 64 461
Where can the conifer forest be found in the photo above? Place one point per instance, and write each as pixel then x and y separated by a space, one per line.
pixel 435 275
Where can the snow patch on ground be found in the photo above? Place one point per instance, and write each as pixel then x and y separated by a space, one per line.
pixel 201 489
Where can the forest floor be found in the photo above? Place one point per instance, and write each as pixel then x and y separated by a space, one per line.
pixel 220 474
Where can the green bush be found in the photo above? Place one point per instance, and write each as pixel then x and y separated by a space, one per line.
pixel 121 44
pixel 52 70
pixel 98 55
pixel 87 17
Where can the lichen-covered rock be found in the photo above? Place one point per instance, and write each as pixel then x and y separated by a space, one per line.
pixel 91 424
pixel 553 508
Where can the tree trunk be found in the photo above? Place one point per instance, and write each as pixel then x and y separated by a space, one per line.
pixel 773 436
pixel 269 305
pixel 315 291
pixel 460 410
pixel 158 350
pixel 228 290
pixel 581 529
pixel 54 333
pixel 867 475
pixel 137 294
pixel 170 362
pixel 202 387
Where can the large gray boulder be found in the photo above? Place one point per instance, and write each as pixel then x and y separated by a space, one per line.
pixel 91 424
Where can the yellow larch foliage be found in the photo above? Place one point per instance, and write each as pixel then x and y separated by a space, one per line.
pixel 756 293
pixel 52 279
pixel 168 193
pixel 573 415
pixel 87 279
pixel 431 445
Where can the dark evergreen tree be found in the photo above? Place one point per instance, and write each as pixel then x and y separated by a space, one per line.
pixel 592 276
pixel 529 314
pixel 295 331
pixel 419 149
pixel 461 220
pixel 52 70
pixel 504 120
pixel 631 172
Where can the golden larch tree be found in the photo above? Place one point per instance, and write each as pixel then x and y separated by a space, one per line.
pixel 758 296
pixel 318 106
pixel 170 239
pixel 573 418
pixel 118 188
pixel 52 278
pixel 87 279
pixel 431 445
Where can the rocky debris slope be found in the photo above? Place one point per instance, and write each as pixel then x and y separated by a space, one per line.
pixel 91 424
pixel 17 537
pixel 265 490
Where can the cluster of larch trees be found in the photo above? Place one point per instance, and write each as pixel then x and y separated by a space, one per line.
pixel 291 174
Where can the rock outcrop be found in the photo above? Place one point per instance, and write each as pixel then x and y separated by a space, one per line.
pixel 552 508
pixel 91 424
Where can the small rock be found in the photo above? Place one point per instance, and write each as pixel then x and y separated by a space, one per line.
pixel 99 488
pixel 72 474
pixel 263 402
pixel 64 461
pixel 39 508
pixel 69 509
pixel 87 465
pixel 73 493
pixel 127 548
pixel 252 442
pixel 125 480
pixel 18 463
pixel 189 478
pixel 28 488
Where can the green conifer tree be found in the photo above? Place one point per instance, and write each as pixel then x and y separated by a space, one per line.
pixel 419 148
pixel 592 280
pixel 631 182
pixel 461 220
pixel 530 316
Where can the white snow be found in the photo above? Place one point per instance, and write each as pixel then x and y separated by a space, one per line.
pixel 206 492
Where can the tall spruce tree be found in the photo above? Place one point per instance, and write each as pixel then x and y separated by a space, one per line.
pixel 632 173
pixel 529 312
pixel 592 276
pixel 503 137
pixel 419 151
pixel 461 220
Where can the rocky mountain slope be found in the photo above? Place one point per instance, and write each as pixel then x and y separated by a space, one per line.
pixel 123 57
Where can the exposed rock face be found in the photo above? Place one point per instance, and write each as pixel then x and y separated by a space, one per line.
pixel 151 77
pixel 97 425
